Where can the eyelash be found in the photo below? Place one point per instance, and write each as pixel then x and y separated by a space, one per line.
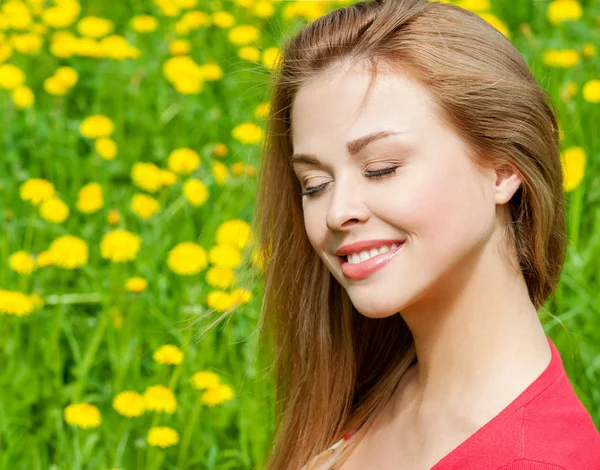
pixel 310 192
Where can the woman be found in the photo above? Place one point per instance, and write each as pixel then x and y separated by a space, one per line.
pixel 411 211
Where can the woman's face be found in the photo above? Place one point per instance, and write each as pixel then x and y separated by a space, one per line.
pixel 436 199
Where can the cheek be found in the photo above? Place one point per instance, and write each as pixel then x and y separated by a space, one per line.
pixel 315 227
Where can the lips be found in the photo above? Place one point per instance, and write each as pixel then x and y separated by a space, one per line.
pixel 366 245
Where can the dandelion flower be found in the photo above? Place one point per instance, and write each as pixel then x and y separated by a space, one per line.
pixel 67 76
pixel 15 303
pixel 564 10
pixel 168 354
pixel 36 190
pixel 90 198
pixel 144 206
pixel 573 164
pixel 243 34
pixel 220 300
pixel 195 192
pixel 187 258
pixel 147 176
pixel 106 148
pixel 591 91
pixel 219 150
pixel 113 217
pixel 217 395
pixel 69 252
pixel 120 246
pixel 183 160
pixel 220 172
pixel 136 284
pixel 94 27
pixel 235 232
pixel 21 262
pixel 23 97
pixel 129 403
pixel 96 126
pixel 160 399
pixel 45 258
pixel 220 276
pixel 224 255
pixel 162 436
pixel 83 415
pixel 54 210
pixel 11 77
pixel 223 19
pixel 204 379
pixel 144 24
pixel 247 133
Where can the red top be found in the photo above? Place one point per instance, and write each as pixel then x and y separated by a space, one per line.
pixel 545 428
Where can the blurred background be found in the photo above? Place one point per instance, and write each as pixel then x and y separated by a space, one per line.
pixel 130 136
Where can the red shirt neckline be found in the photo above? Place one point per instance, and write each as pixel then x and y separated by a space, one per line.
pixel 551 373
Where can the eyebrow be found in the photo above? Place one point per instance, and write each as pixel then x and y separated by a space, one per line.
pixel 354 146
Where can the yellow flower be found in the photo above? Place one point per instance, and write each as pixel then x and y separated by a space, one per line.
pixel 249 53
pixel 144 24
pixel 591 91
pixel 120 246
pixel 94 27
pixel 168 354
pixel 54 210
pixel 263 9
pixel 235 232
pixel 220 172
pixel 11 76
pixel 563 10
pixel 243 34
pixel 573 162
pixel 21 262
pixel 308 10
pixel 167 177
pixel 240 295
pixel 238 168
pixel 204 379
pixel 106 148
pixel 183 160
pixel 179 47
pixel 116 47
pixel 136 284
pixel 5 51
pixel 16 14
pixel 23 97
pixel 195 192
pixel 217 395
pixel 219 150
pixel 223 19
pixel 62 15
pixel 129 403
pixel 96 126
pixel 147 176
pixel 184 74
pixel 219 300
pixel 588 50
pixel 247 133
pixel 29 43
pixel 224 255
pixel 211 72
pixel 476 6
pixel 565 58
pixel 187 86
pixel 162 436
pixel 496 23
pixel 220 276
pixel 144 206
pixel 15 303
pixel 160 399
pixel 53 86
pixel 113 217
pixel 44 258
pixel 187 258
pixel 69 252
pixel 36 190
pixel 262 110
pixel 270 57
pixel 83 415
pixel 90 198
pixel 68 76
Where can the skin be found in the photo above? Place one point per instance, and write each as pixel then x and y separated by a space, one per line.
pixel 478 337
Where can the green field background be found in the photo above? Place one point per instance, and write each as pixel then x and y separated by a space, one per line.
pixel 85 334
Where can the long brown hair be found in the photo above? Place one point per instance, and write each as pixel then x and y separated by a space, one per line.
pixel 335 368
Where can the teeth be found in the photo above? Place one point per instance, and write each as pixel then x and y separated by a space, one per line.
pixel 364 255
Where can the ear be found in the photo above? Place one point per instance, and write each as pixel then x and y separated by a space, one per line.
pixel 508 182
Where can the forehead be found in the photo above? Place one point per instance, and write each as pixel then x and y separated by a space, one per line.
pixel 334 105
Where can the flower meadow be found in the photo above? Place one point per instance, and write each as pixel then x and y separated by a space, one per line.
pixel 130 138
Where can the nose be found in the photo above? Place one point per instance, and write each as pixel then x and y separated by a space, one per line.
pixel 347 205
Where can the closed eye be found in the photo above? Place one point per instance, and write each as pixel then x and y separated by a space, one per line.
pixel 311 192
